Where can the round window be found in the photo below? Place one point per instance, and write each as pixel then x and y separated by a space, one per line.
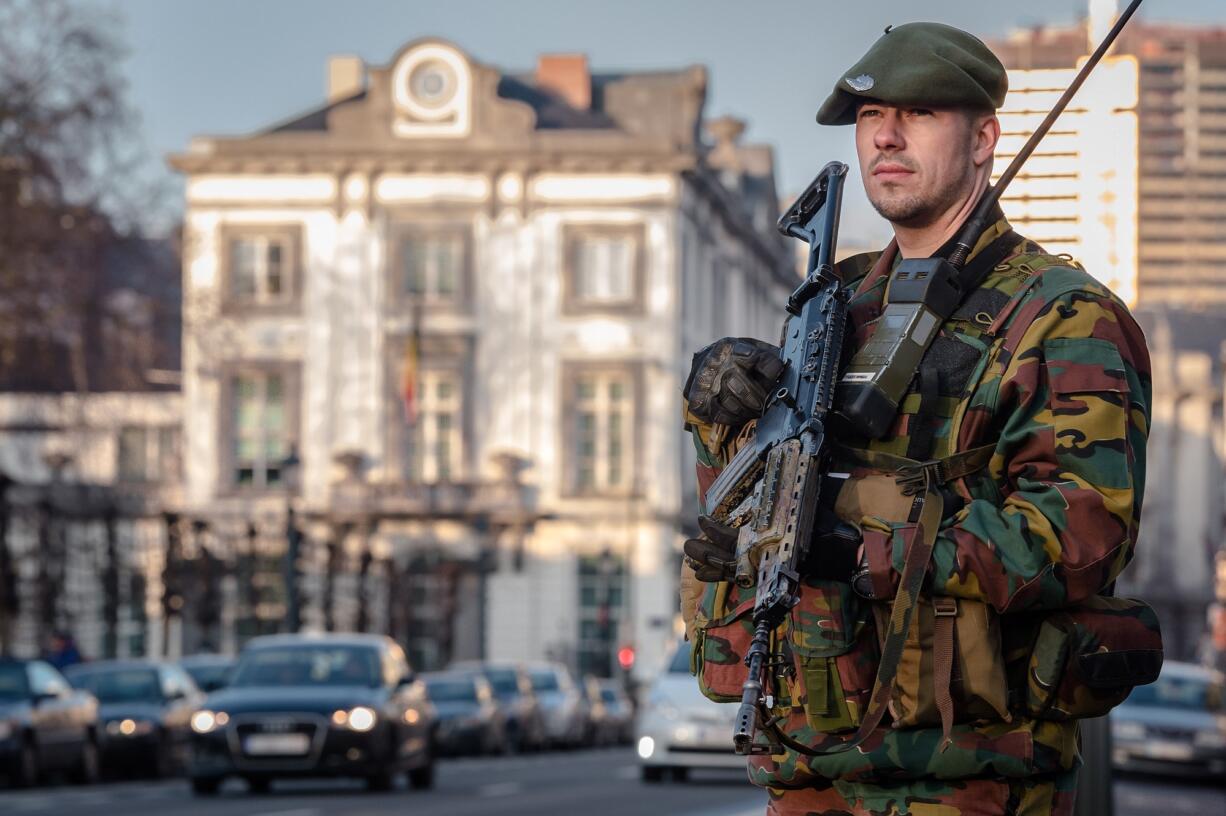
pixel 432 84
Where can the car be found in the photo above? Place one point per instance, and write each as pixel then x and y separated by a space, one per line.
pixel 470 720
pixel 209 671
pixel 45 724
pixel 562 706
pixel 1174 726
pixel 615 723
pixel 144 713
pixel 678 729
pixel 513 689
pixel 305 705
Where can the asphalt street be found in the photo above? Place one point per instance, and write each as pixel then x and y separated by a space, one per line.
pixel 583 783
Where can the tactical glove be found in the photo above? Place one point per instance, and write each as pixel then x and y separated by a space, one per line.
pixel 731 378
pixel 713 554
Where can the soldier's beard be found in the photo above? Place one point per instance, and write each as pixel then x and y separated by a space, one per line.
pixel 919 210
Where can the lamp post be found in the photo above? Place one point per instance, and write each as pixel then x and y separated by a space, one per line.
pixel 293 542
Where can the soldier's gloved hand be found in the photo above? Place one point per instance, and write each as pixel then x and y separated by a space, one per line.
pixel 713 554
pixel 731 378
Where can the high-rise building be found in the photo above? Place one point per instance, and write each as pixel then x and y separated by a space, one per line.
pixel 1179 153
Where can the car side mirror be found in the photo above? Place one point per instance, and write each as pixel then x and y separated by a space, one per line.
pixel 41 697
pixel 407 680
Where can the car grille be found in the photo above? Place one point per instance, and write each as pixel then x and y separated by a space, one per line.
pixel 313 726
pixel 1168 733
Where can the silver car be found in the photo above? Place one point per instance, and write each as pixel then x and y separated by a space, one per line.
pixel 679 729
pixel 562 706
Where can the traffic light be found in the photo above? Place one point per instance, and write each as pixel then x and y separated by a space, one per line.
pixel 625 657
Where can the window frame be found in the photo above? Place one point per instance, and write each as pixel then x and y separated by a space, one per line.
pixel 293 276
pixel 403 231
pixel 572 372
pixel 161 454
pixel 228 466
pixel 573 236
pixel 436 354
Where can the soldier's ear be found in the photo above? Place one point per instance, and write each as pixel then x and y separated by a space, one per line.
pixel 986 131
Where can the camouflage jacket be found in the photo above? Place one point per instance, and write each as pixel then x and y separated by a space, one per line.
pixel 1047 365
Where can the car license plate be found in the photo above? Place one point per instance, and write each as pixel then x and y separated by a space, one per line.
pixel 1167 750
pixel 277 744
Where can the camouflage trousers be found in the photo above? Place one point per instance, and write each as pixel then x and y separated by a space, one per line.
pixel 1049 796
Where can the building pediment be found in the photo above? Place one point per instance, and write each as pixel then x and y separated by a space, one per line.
pixel 433 100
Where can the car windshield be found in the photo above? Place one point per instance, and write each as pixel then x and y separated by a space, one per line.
pixel 12 681
pixel 451 691
pixel 119 685
pixel 544 681
pixel 681 660
pixel 1187 693
pixel 209 677
pixel 308 666
pixel 608 695
pixel 503 681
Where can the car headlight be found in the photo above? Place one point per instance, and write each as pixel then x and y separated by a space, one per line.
pixel 1210 739
pixel 133 728
pixel 1127 730
pixel 359 718
pixel 205 721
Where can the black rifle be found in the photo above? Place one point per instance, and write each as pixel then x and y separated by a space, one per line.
pixel 772 484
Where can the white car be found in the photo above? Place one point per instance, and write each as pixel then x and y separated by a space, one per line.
pixel 679 729
pixel 562 705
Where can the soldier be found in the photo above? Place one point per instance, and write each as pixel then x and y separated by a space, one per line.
pixel 1035 400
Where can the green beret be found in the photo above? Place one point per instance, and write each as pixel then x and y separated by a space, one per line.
pixel 919 64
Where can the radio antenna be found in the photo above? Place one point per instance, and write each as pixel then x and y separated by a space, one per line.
pixel 978 220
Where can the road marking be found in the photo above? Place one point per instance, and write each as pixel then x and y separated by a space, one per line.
pixel 294 812
pixel 500 789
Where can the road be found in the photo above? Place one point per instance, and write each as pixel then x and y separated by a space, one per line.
pixel 588 783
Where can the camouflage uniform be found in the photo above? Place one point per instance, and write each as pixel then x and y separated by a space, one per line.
pixel 1048 366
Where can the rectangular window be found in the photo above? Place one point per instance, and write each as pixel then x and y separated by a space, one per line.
pixel 147 454
pixel 601 407
pixel 604 268
pixel 260 267
pixel 432 265
pixel 262 435
pixel 435 445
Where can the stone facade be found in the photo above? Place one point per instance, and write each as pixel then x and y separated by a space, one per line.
pixel 554 246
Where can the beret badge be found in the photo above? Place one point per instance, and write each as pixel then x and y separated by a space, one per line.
pixel 861 83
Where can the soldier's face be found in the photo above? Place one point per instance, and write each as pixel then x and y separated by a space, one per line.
pixel 919 163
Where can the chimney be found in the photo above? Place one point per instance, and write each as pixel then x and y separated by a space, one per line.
pixel 346 77
pixel 567 76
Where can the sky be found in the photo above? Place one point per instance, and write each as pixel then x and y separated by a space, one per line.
pixel 228 67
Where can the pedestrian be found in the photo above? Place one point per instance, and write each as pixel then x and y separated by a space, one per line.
pixel 1030 408
pixel 63 651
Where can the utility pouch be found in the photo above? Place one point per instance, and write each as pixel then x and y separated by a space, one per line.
pixel 953 644
pixel 835 656
pixel 1086 659
pixel 723 630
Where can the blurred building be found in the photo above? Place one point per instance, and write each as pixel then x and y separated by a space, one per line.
pixel 90 419
pixel 465 299
pixel 1180 152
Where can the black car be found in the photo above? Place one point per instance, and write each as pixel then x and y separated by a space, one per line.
pixel 209 671
pixel 316 705
pixel 513 689
pixel 470 720
pixel 45 724
pixel 144 712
